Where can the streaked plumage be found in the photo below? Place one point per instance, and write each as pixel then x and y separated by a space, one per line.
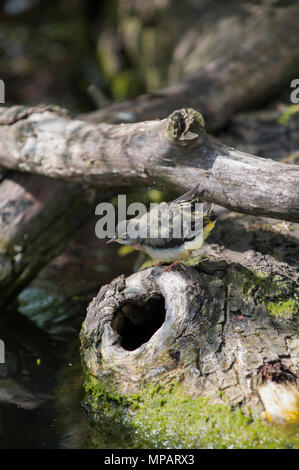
pixel 164 245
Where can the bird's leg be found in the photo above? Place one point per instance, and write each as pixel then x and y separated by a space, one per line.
pixel 158 263
pixel 170 266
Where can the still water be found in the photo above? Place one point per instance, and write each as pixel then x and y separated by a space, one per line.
pixel 40 388
pixel 41 380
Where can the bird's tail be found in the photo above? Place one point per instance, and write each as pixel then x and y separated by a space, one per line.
pixel 209 210
pixel 193 196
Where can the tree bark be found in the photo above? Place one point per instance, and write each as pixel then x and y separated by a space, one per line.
pixel 37 217
pixel 226 62
pixel 220 330
pixel 176 151
pixel 273 131
pixel 226 328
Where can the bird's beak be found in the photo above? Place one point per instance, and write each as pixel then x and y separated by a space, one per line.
pixel 114 239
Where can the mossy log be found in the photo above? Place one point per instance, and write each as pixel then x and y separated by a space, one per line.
pixel 222 330
pixel 200 356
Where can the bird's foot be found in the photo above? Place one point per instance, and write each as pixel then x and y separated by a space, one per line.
pixel 170 266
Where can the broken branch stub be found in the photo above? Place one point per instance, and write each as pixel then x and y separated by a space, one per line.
pixel 176 152
pixel 186 126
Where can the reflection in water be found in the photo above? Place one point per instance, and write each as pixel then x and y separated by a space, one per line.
pixel 32 380
pixel 41 381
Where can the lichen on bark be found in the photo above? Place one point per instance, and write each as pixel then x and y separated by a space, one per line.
pixel 216 335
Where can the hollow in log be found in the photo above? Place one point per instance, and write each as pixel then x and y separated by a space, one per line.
pixel 218 329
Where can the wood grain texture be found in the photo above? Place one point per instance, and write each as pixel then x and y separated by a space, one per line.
pixel 37 218
pixel 176 151
pixel 208 328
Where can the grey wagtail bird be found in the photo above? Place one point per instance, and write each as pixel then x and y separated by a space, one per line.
pixel 168 238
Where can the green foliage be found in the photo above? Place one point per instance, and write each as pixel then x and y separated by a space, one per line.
pixel 125 85
pixel 287 114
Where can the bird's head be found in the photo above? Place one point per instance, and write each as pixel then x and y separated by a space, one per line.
pixel 124 239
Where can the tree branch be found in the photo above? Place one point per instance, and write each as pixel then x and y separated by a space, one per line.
pixel 176 151
pixel 35 226
pixel 260 56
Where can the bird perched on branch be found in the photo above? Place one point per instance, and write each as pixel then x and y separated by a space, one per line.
pixel 170 232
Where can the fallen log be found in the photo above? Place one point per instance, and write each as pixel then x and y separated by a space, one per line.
pixel 221 331
pixel 176 151
pixel 274 131
pixel 38 215
pixel 224 62
pixel 225 330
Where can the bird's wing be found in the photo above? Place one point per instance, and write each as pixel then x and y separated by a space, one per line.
pixel 174 224
pixel 195 195
pixel 169 225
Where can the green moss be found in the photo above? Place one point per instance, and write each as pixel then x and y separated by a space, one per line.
pixel 286 309
pixel 276 292
pixel 167 418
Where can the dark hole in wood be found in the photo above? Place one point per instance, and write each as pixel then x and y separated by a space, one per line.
pixel 137 323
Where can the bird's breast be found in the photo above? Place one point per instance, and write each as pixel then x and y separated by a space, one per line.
pixel 166 254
